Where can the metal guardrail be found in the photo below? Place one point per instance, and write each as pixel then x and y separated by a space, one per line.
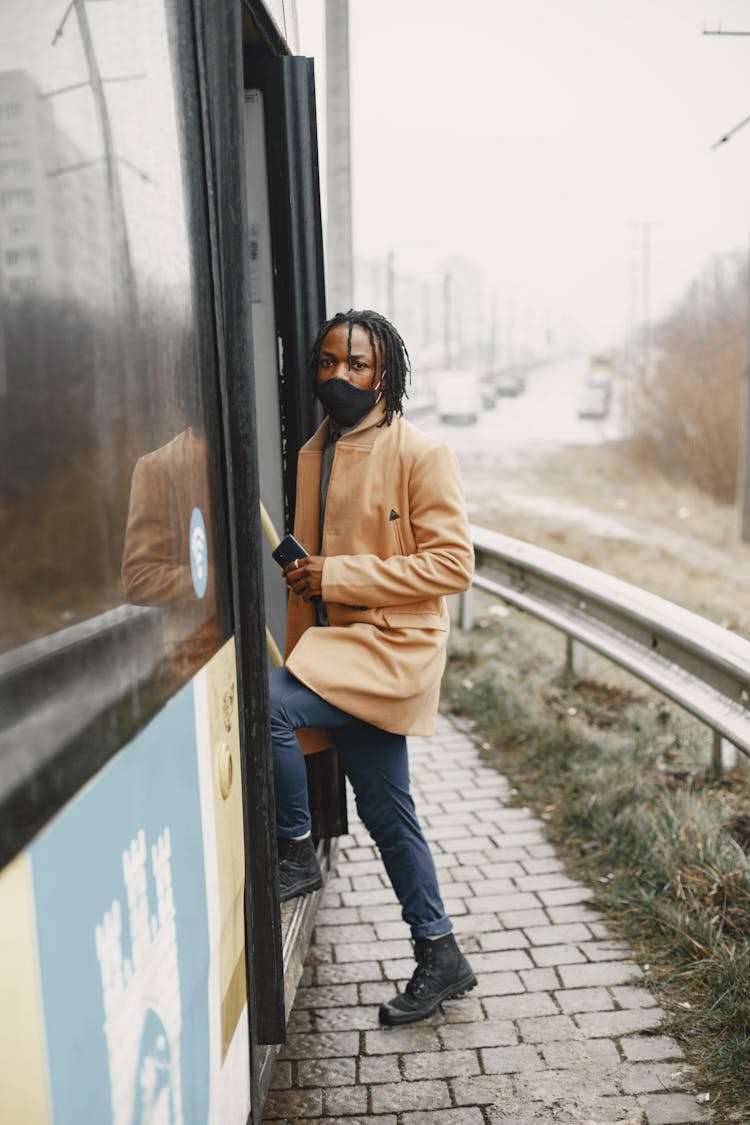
pixel 699 665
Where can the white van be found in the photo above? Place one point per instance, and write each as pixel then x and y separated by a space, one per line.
pixel 458 397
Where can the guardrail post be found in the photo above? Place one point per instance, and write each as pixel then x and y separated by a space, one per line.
pixel 466 609
pixel 724 755
pixel 574 654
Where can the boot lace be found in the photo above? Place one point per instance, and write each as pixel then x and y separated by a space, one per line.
pixel 424 974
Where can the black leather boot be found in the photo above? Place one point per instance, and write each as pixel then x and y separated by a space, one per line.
pixel 299 872
pixel 442 972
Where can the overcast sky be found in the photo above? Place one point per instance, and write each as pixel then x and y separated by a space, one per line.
pixel 539 137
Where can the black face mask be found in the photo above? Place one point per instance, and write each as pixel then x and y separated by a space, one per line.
pixel 345 403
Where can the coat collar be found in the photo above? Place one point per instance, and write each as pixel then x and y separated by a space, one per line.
pixel 364 433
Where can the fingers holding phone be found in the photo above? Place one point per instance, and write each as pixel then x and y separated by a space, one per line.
pixel 305 576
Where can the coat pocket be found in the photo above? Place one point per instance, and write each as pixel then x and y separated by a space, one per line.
pixel 406 619
pixel 398 537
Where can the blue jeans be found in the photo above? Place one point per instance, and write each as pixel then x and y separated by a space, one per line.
pixel 377 766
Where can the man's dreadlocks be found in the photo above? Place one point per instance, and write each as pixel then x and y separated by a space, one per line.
pixel 387 346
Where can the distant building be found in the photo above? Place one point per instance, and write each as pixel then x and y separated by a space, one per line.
pixel 54 237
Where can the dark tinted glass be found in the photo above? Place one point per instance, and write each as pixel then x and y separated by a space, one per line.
pixel 112 584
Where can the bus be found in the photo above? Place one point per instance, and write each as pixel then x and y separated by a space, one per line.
pixel 161 280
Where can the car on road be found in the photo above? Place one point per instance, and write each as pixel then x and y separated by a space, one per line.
pixel 458 398
pixel 509 383
pixel 593 401
pixel 487 394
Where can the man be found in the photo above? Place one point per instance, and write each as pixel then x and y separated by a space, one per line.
pixel 380 508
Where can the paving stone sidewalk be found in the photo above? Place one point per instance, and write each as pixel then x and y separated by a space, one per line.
pixel 560 1027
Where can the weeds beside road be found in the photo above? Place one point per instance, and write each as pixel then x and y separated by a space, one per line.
pixel 621 776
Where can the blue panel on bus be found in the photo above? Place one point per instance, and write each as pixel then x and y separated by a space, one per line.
pixel 120 898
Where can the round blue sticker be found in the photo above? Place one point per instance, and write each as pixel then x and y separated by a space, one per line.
pixel 198 552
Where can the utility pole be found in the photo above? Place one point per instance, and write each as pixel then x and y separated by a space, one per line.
pixel 339 266
pixel 743 466
pixel 390 287
pixel 447 313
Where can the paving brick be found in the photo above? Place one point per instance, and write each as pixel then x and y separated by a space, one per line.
pixel 320 955
pixel 488 1033
pixel 328 1045
pixel 375 991
pixel 540 980
pixel 361 1017
pixel 399 1098
pixel 299 1021
pixel 513 1007
pixel 326 1072
pixel 605 973
pixel 390 931
pixel 631 996
pixel 345 1100
pixel 567 896
pixel 584 1000
pixel 345 973
pixel 463 1010
pixel 464 1115
pixel 544 955
pixel 283 1104
pixel 485 887
pixel 336 915
pixel 519 919
pixel 482 1089
pixel 557 935
pixel 607 950
pixel 510 1060
pixel 452 889
pixel 401 1040
pixel 547 881
pixel 326 996
pixel 651 1048
pixel 381 911
pixel 368 898
pixel 386 1119
pixel 398 971
pixel 374 1069
pixel 562 915
pixel 555 1086
pixel 529 840
pixel 473 923
pixel 674 1109
pixel 281 1079
pixel 501 960
pixel 615 1024
pixel 545 1029
pixel 499 984
pixel 581 1054
pixel 543 866
pixel 365 950
pixel 440 1064
pixel 503 939
pixel 503 870
pixel 653 1077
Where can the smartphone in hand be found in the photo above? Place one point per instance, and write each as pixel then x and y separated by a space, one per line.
pixel 288 550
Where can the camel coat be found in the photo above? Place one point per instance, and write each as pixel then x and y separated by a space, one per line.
pixel 396 540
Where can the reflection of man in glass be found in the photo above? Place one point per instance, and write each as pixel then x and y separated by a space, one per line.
pixel 168 559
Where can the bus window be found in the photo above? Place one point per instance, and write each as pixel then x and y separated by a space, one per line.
pixel 112 534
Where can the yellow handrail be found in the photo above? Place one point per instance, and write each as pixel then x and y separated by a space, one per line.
pixel 272 536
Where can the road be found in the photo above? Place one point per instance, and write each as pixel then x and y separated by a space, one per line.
pixel 544 415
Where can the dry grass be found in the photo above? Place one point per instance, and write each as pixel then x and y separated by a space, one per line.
pixel 684 413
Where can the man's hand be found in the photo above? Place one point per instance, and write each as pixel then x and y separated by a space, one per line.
pixel 305 576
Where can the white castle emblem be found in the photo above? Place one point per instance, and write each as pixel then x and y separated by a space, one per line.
pixel 142 1011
